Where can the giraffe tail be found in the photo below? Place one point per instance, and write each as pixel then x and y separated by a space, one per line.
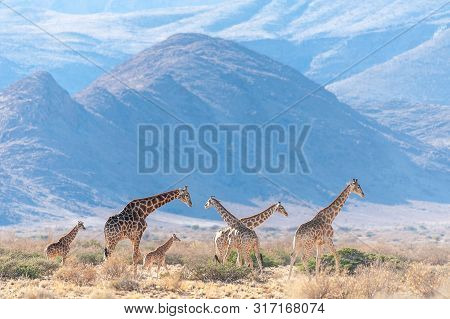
pixel 106 253
pixel 217 259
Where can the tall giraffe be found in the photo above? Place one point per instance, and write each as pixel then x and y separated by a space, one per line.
pixel 221 238
pixel 246 239
pixel 62 247
pixel 319 231
pixel 158 256
pixel 130 222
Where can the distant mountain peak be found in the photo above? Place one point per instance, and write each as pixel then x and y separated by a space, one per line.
pixel 216 71
pixel 38 98
pixel 190 37
pixel 40 82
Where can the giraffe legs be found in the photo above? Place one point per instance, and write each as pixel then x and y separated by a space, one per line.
pixel 305 255
pixel 294 255
pixel 137 256
pixel 318 250
pixel 227 252
pixel 165 265
pixel 157 270
pixel 250 260
pixel 258 258
pixel 110 246
pixel 239 260
pixel 246 258
pixel 330 244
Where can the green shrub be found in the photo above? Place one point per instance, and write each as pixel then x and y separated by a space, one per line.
pixel 269 259
pixel 213 271
pixel 92 243
pixel 351 259
pixel 274 258
pixel 90 258
pixel 175 259
pixel 15 264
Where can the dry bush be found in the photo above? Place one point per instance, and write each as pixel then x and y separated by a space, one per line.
pixel 113 268
pixel 78 274
pixel 375 281
pixel 423 280
pixel 172 282
pixel 101 294
pixel 36 293
pixel 212 271
pixel 367 282
pixel 125 284
pixel 322 286
pixel 183 252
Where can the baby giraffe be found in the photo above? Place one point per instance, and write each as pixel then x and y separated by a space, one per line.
pixel 158 256
pixel 62 247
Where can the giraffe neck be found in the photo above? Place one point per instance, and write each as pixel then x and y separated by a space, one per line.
pixel 165 247
pixel 154 202
pixel 67 239
pixel 229 218
pixel 335 207
pixel 256 220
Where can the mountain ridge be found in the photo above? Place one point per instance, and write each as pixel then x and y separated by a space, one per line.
pixel 94 163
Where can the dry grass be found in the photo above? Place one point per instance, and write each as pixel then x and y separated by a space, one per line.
pixel 367 283
pixel 78 274
pixel 425 280
pixel 25 273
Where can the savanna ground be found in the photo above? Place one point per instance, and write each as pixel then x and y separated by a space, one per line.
pixel 400 263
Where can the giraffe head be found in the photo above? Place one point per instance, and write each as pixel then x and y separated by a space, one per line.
pixel 80 225
pixel 210 202
pixel 175 238
pixel 279 208
pixel 356 188
pixel 184 196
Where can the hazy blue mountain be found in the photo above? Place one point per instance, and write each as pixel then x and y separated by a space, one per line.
pixel 9 72
pixel 407 93
pixel 318 38
pixel 56 159
pixel 60 156
pixel 203 79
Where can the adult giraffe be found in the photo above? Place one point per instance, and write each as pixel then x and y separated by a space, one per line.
pixel 319 231
pixel 222 236
pixel 245 239
pixel 130 222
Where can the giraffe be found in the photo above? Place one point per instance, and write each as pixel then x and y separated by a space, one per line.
pixel 318 231
pixel 158 256
pixel 62 246
pixel 130 222
pixel 246 239
pixel 221 238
